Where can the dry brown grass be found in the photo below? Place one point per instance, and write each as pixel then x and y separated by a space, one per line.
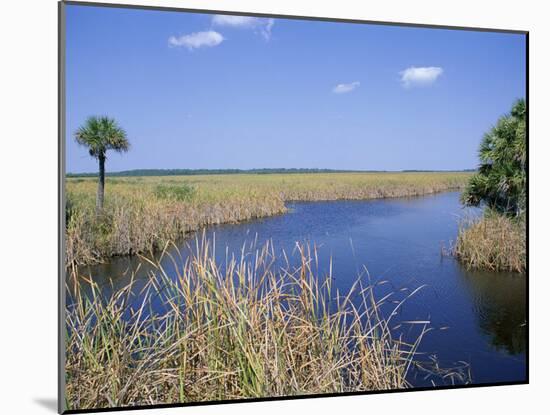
pixel 252 329
pixel 142 213
pixel 495 242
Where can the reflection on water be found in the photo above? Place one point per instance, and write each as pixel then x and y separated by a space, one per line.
pixel 499 301
pixel 478 317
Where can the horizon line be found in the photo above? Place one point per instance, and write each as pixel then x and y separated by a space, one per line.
pixel 261 170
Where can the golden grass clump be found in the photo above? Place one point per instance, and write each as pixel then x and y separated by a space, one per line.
pixel 248 329
pixel 142 213
pixel 495 242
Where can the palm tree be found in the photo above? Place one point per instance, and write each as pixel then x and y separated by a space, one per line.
pixel 100 134
pixel 501 180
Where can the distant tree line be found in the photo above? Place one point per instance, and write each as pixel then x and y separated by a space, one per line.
pixel 193 172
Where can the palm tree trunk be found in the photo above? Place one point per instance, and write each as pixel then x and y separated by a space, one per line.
pixel 100 185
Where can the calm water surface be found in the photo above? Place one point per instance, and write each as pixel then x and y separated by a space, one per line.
pixel 478 317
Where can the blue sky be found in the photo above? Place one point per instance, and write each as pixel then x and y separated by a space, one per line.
pixel 199 91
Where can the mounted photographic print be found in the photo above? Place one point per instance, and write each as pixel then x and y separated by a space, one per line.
pixel 258 207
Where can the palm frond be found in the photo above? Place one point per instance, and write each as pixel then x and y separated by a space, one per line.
pixel 100 134
pixel 501 179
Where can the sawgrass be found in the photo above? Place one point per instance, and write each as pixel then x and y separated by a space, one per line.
pixel 142 213
pixel 495 242
pixel 248 329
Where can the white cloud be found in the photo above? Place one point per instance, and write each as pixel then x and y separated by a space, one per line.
pixel 236 21
pixel 261 25
pixel 197 40
pixel 344 88
pixel 422 76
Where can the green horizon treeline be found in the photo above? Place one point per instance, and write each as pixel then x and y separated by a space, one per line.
pixel 194 172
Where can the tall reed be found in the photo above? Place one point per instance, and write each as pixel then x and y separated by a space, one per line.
pixel 496 242
pixel 250 328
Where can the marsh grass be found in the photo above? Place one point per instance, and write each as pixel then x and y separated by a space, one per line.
pixel 249 328
pixel 181 192
pixel 142 213
pixel 496 242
